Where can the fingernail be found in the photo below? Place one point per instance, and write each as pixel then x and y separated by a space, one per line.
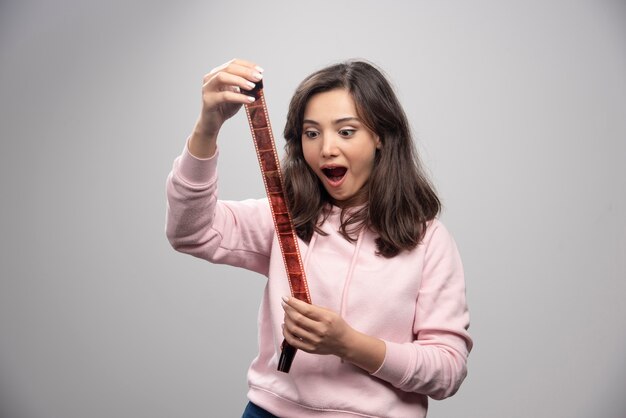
pixel 250 84
pixel 259 69
pixel 258 76
pixel 251 99
pixel 285 299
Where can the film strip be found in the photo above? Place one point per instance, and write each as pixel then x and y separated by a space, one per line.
pixel 283 223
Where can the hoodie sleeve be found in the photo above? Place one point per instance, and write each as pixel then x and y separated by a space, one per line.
pixel 224 232
pixel 435 364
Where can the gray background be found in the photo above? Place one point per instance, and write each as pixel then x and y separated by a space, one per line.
pixel 519 111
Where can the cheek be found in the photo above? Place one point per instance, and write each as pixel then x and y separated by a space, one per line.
pixel 308 153
pixel 366 164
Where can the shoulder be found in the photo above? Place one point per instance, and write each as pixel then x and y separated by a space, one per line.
pixel 437 234
pixel 434 226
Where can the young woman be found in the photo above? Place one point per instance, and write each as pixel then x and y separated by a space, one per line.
pixel 388 325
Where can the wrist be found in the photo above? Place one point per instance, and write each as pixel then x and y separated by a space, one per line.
pixel 202 144
pixel 204 129
pixel 364 351
pixel 348 345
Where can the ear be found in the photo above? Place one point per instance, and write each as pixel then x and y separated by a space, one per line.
pixel 379 143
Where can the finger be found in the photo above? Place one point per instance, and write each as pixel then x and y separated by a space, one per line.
pixel 299 341
pixel 302 327
pixel 291 339
pixel 296 332
pixel 229 96
pixel 223 81
pixel 300 319
pixel 252 73
pixel 314 312
pixel 249 73
pixel 240 62
pixel 248 64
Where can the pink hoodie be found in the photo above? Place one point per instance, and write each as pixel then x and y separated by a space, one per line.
pixel 415 302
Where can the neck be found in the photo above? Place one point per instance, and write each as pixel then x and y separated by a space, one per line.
pixel 359 199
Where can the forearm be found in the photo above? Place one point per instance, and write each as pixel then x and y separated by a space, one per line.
pixel 433 368
pixel 364 351
pixel 202 144
pixel 191 196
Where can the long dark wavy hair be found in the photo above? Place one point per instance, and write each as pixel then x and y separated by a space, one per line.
pixel 400 198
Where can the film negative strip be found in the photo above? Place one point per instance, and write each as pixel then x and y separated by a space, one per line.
pixel 283 223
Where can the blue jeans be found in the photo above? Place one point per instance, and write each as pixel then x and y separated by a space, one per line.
pixel 254 411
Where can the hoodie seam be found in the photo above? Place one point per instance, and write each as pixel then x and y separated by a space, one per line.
pixel 311 408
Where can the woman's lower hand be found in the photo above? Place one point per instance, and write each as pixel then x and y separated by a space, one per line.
pixel 315 329
pixel 319 330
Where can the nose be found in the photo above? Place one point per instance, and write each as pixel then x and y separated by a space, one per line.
pixel 329 146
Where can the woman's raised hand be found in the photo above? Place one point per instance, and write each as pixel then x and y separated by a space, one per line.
pixel 221 99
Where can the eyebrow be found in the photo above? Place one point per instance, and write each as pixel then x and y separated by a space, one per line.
pixel 335 122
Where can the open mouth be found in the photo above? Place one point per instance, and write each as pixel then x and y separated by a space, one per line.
pixel 334 174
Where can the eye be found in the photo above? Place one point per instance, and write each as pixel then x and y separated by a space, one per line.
pixel 347 133
pixel 311 134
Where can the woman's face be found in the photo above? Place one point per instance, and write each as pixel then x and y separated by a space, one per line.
pixel 337 145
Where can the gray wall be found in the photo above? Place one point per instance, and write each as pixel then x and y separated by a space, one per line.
pixel 519 110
